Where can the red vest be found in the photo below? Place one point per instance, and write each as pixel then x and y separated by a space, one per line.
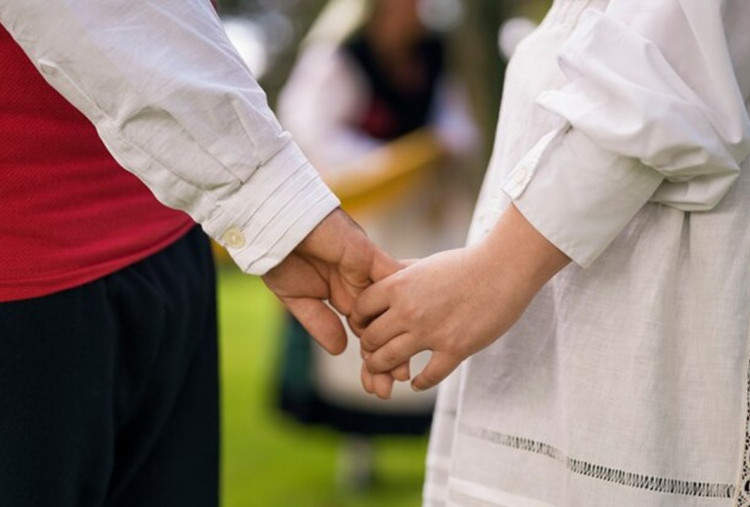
pixel 68 213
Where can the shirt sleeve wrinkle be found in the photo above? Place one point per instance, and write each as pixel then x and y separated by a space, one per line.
pixel 674 118
pixel 175 105
pixel 654 105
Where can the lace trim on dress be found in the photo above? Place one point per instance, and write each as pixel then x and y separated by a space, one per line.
pixel 743 491
pixel 622 477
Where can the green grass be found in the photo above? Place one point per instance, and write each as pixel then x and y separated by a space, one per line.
pixel 269 460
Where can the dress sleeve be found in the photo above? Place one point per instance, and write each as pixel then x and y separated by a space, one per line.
pixel 653 109
pixel 176 106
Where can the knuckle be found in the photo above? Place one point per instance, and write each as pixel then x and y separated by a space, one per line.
pixel 455 345
pixel 372 364
pixel 367 341
pixel 401 372
pixel 398 279
pixel 412 311
pixel 391 357
pixel 398 283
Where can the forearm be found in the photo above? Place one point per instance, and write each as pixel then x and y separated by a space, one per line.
pixel 517 255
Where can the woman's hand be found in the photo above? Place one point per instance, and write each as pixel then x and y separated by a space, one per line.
pixel 454 303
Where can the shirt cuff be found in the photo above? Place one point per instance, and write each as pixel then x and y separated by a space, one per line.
pixel 272 212
pixel 578 195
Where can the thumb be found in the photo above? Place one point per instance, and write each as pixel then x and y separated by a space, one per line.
pixel 320 322
pixel 438 367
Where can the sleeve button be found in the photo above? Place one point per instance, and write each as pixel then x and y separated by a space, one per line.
pixel 520 175
pixel 234 238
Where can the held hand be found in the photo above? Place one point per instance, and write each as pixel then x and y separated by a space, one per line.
pixel 381 384
pixel 455 303
pixel 335 262
pixel 437 304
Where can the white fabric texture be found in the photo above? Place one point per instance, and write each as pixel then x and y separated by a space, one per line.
pixel 622 137
pixel 175 105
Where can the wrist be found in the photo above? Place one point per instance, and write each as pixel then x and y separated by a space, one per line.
pixel 519 255
pixel 331 236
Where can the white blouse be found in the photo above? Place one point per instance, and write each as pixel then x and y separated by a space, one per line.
pixel 176 106
pixel 622 136
pixel 654 110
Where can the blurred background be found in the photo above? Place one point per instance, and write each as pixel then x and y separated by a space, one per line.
pixel 395 103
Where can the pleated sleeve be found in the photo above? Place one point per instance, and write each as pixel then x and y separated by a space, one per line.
pixel 654 109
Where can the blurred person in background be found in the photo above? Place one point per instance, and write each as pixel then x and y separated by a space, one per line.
pixel 354 92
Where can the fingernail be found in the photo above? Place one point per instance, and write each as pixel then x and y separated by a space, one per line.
pixel 416 388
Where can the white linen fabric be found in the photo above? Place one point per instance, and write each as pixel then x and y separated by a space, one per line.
pixel 622 137
pixel 175 105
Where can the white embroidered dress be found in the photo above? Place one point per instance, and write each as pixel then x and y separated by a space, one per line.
pixel 623 138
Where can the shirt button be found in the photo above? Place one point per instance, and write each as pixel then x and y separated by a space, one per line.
pixel 234 238
pixel 520 175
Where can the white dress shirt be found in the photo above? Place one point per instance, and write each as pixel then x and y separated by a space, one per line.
pixel 175 105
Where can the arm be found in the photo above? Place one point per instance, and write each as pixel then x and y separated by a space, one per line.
pixel 175 105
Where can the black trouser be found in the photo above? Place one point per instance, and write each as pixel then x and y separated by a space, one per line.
pixel 109 392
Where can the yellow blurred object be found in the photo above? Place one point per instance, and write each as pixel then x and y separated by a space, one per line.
pixel 221 256
pixel 387 174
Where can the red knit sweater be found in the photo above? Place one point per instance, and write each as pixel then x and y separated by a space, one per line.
pixel 68 213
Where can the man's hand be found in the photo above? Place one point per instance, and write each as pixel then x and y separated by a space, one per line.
pixel 335 262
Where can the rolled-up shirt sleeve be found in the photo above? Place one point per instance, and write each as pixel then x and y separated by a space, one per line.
pixel 176 106
pixel 653 110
